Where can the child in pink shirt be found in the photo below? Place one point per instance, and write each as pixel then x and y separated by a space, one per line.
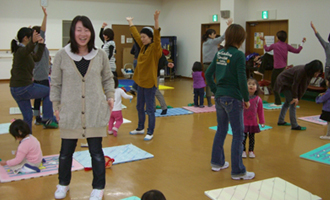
pixel 116 118
pixel 251 114
pixel 28 155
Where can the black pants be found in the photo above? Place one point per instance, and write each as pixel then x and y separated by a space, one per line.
pixel 251 141
pixel 114 73
pixel 198 93
pixel 98 163
pixel 267 63
pixel 275 74
pixel 37 102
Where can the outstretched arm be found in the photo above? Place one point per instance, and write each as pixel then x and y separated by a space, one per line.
pixel 313 27
pixel 44 21
pixel 156 16
pixel 130 21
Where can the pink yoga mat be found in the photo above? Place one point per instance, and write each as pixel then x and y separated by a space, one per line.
pixel 200 110
pixel 314 119
pixel 51 167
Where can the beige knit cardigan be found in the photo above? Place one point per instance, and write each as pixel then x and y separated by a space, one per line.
pixel 84 112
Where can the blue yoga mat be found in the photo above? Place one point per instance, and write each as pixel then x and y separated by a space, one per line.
pixel 230 132
pixel 126 83
pixel 321 154
pixel 121 154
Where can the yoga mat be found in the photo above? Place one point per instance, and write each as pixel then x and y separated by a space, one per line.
pixel 121 154
pixel 200 110
pixel 50 168
pixel 126 121
pixel 172 112
pixel 163 87
pixel 314 119
pixel 321 154
pixel 126 83
pixel 4 128
pixel 17 111
pixel 268 189
pixel 268 107
pixel 230 132
pixel 132 198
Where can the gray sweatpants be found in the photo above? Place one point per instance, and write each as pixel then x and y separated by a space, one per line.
pixel 160 97
pixel 285 107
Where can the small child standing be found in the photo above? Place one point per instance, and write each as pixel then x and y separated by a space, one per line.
pixel 116 118
pixel 325 99
pixel 198 84
pixel 28 155
pixel 256 109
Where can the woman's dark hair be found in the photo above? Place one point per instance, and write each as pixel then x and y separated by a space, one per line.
pixel 20 35
pixel 37 28
pixel 115 79
pixel 329 37
pixel 19 129
pixel 197 67
pixel 258 91
pixel 282 36
pixel 87 24
pixel 313 67
pixel 207 33
pixel 234 35
pixel 153 195
pixel 109 32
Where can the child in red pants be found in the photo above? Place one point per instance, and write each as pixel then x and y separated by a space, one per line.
pixel 116 118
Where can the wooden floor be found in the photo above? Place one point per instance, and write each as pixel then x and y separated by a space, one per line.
pixel 182 151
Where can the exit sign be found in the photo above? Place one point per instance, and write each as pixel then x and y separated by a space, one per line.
pixel 214 18
pixel 264 14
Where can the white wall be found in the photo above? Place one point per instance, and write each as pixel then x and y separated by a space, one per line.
pixel 183 19
pixel 15 14
pixel 299 13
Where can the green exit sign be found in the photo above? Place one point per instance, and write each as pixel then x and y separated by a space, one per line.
pixel 215 18
pixel 264 14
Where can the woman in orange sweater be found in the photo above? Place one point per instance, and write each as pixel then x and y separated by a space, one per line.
pixel 145 75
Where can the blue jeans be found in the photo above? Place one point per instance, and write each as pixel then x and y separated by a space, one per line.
pixel 23 95
pixel 146 96
pixel 68 147
pixel 229 110
pixel 285 107
pixel 198 92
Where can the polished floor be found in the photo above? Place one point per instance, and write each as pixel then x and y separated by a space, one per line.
pixel 182 151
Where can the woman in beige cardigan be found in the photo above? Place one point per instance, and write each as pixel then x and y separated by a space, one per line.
pixel 80 77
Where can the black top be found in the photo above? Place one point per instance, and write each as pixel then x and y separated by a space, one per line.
pixel 82 66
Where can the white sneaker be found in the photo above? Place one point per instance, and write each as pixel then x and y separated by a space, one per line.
pixel 244 154
pixel 216 169
pixel 134 132
pixel 61 191
pixel 247 176
pixel 251 154
pixel 96 194
pixel 148 137
pixel 325 137
pixel 110 132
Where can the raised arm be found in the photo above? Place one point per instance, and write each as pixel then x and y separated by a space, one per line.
pixel 101 31
pixel 313 27
pixel 156 17
pixel 44 21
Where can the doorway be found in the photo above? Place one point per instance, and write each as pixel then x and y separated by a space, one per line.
pixel 204 28
pixel 268 28
pixel 123 40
